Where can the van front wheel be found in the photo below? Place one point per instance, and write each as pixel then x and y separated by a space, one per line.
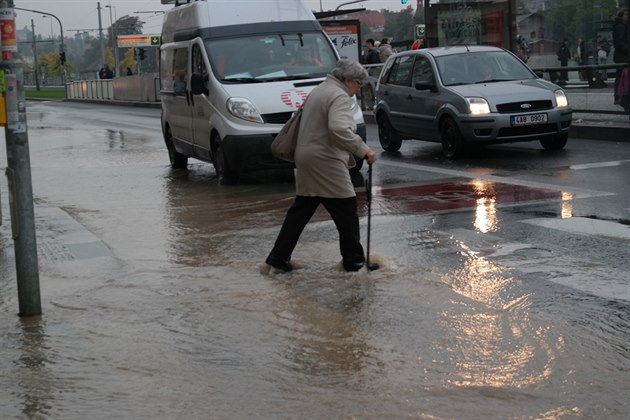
pixel 178 161
pixel 221 165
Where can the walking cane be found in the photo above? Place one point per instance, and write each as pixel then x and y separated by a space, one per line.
pixel 368 196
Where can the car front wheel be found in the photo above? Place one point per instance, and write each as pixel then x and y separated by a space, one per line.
pixel 390 140
pixel 555 143
pixel 452 139
pixel 221 165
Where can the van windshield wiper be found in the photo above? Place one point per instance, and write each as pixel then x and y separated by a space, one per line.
pixel 242 80
pixel 294 77
pixel 493 80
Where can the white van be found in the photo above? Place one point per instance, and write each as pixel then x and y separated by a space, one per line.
pixel 232 73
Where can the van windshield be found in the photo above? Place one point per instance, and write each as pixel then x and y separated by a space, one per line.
pixel 263 58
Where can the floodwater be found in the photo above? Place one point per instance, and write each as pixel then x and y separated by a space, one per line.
pixel 157 305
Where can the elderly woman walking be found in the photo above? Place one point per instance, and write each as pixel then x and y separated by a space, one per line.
pixel 326 146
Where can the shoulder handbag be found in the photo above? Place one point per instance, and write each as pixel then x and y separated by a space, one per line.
pixel 283 145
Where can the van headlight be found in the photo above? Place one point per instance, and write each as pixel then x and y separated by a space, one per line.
pixel 244 109
pixel 478 106
pixel 561 99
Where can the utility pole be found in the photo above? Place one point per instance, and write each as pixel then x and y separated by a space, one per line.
pixel 100 32
pixel 19 170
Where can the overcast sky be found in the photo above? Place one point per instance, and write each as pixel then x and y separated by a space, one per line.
pixel 81 15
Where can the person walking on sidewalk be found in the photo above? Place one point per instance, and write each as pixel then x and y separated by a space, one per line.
pixel 325 150
pixel 564 55
pixel 620 42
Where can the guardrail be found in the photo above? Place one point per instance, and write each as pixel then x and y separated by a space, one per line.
pixel 583 96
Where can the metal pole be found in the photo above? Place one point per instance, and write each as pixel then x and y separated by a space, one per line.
pixel 114 41
pixel 350 2
pixel 35 64
pixel 60 32
pixel 100 31
pixel 20 184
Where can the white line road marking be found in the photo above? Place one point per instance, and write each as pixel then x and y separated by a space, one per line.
pixel 585 226
pixel 599 165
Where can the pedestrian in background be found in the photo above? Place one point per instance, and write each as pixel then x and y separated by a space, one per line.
pixel 372 55
pixel 325 150
pixel 385 49
pixel 564 54
pixel 620 42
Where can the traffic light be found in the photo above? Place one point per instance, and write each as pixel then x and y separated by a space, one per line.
pixel 62 57
pixel 403 1
pixel 142 53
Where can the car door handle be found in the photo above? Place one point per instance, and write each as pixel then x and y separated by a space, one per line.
pixel 409 97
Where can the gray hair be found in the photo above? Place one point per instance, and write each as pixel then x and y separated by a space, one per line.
pixel 347 69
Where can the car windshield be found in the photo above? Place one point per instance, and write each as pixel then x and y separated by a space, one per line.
pixel 481 67
pixel 257 58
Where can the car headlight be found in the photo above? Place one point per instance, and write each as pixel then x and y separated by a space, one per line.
pixel 478 106
pixel 561 99
pixel 244 109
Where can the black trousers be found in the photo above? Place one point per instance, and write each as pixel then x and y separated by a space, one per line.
pixel 343 212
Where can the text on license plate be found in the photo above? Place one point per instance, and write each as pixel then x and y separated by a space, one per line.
pixel 529 119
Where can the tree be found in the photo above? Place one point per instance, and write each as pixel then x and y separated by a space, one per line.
pixel 400 25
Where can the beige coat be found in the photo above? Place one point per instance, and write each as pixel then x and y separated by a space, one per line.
pixel 326 141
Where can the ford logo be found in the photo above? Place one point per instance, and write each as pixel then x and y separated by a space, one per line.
pixel 526 106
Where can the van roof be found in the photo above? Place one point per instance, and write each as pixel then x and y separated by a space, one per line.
pixel 211 13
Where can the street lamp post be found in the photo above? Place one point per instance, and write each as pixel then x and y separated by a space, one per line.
pixel 114 36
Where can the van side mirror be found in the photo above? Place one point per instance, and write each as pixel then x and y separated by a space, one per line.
pixel 426 85
pixel 197 85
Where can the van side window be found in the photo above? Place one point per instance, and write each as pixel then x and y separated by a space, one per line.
pixel 166 78
pixel 180 61
pixel 199 69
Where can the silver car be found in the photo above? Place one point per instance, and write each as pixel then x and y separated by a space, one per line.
pixel 467 95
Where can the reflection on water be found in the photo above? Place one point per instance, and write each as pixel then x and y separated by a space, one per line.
pixel 36 386
pixel 485 212
pixel 567 205
pixel 480 334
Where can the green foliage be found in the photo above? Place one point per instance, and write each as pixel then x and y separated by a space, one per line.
pixel 578 18
pixel 400 26
pixel 45 93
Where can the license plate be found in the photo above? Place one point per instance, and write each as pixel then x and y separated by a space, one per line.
pixel 529 119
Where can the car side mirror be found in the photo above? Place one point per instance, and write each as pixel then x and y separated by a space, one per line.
pixel 540 74
pixel 197 85
pixel 426 85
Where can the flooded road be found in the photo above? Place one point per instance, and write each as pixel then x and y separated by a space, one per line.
pixel 504 290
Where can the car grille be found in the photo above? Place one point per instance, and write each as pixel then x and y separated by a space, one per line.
pixel 277 118
pixel 527 130
pixel 516 106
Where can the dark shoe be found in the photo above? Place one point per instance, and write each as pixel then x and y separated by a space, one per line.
pixel 279 263
pixel 353 266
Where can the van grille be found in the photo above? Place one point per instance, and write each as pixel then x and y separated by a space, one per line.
pixel 277 118
pixel 516 106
